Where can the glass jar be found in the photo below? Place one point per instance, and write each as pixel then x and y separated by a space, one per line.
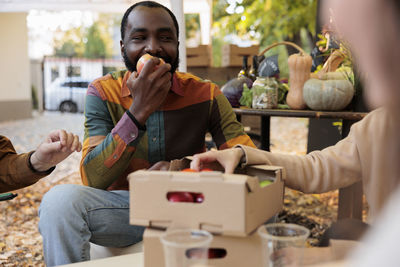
pixel 265 93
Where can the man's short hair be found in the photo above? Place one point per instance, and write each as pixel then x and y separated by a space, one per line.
pixel 150 4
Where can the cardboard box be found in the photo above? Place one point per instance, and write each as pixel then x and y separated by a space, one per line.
pixel 232 55
pixel 199 56
pixel 239 251
pixel 234 204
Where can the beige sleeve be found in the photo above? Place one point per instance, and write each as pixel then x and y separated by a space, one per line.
pixel 317 172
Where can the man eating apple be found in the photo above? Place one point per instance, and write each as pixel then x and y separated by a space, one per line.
pixel 133 120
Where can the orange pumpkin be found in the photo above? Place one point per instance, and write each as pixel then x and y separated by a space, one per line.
pixel 299 73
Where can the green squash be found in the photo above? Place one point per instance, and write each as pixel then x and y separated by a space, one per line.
pixel 334 93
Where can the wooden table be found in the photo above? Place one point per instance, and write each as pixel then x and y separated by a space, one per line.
pixel 350 198
pixel 137 260
pixel 129 260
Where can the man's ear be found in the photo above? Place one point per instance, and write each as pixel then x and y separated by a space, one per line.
pixel 122 46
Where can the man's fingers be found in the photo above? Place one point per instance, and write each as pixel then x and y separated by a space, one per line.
pixel 151 64
pixel 131 79
pixel 160 78
pixel 160 71
pixel 167 76
pixel 163 86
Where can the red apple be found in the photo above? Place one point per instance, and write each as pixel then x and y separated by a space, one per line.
pixel 143 59
pixel 196 253
pixel 212 253
pixel 198 197
pixel 206 170
pixel 180 197
pixel 216 253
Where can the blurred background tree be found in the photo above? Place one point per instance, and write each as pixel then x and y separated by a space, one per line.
pixel 192 22
pixel 69 43
pixel 95 41
pixel 241 22
pixel 264 22
pixel 98 42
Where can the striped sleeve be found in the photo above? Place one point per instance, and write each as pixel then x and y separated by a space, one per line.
pixel 107 148
pixel 224 127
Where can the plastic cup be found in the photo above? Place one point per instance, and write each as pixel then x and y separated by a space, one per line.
pixel 186 247
pixel 283 244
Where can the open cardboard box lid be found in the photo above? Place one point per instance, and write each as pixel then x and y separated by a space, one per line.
pixel 234 204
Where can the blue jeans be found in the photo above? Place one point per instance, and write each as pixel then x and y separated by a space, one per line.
pixel 71 216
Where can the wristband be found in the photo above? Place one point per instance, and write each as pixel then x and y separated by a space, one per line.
pixel 140 127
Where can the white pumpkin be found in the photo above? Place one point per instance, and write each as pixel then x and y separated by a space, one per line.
pixel 333 94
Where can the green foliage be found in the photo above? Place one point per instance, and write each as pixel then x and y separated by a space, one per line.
pixel 217 43
pixel 247 96
pixel 192 22
pixel 93 42
pixel 95 46
pixel 266 22
pixel 283 90
pixel 69 43
pixel 68 48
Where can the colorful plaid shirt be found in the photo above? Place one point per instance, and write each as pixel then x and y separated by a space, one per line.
pixel 114 146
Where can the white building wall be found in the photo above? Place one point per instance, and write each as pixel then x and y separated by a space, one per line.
pixel 15 86
pixel 14 63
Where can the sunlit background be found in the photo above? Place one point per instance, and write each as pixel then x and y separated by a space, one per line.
pixel 61 38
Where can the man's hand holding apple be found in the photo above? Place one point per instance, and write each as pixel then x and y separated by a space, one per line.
pixel 149 88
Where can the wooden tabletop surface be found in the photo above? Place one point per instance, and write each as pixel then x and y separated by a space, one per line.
pixel 346 115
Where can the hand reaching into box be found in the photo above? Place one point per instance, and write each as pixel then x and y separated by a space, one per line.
pixel 228 158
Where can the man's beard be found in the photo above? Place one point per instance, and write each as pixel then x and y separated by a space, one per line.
pixel 132 67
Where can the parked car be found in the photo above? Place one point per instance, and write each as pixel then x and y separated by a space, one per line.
pixel 67 95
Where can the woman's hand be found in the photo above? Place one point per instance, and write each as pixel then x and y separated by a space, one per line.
pixel 228 158
pixel 58 146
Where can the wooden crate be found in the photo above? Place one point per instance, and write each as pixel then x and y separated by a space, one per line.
pixel 232 55
pixel 199 56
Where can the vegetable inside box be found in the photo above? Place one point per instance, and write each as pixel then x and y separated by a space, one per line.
pixel 224 250
pixel 230 204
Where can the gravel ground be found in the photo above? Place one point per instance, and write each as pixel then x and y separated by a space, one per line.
pixel 27 134
pixel 19 217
